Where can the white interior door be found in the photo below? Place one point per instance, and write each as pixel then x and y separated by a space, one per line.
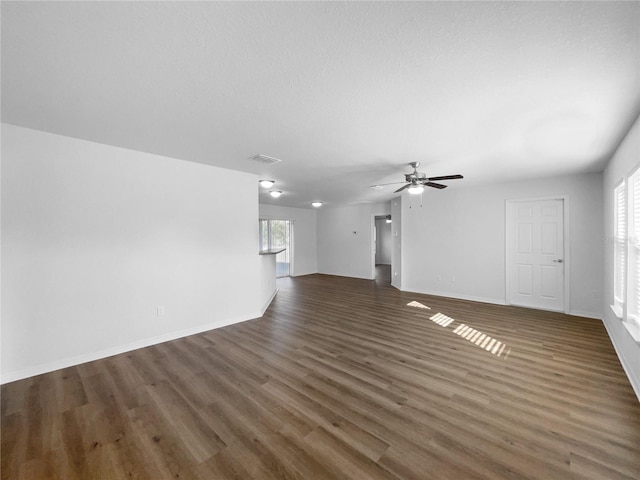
pixel 535 254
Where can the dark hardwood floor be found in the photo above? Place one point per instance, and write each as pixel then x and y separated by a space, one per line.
pixel 341 379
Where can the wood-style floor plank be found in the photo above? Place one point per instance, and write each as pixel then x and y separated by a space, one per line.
pixel 341 379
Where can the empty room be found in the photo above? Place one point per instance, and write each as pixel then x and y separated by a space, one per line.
pixel 320 240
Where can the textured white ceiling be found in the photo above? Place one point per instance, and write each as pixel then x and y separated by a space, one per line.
pixel 346 94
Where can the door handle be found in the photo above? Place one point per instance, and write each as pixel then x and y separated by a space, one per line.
pixel 558 261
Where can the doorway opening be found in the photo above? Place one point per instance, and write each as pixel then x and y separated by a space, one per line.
pixel 382 248
pixel 278 234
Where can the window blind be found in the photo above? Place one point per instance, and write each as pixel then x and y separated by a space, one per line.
pixel 620 235
pixel 633 275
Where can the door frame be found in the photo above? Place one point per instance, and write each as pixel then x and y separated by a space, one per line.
pixel 567 251
pixel 372 243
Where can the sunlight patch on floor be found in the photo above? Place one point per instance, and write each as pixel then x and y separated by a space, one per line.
pixel 417 305
pixel 482 340
pixel 441 319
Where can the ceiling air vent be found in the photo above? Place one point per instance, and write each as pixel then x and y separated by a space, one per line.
pixel 265 159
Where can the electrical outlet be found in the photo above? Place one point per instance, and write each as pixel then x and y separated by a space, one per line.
pixel 161 310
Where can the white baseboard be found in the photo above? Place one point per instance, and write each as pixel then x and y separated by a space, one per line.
pixel 268 302
pixel 109 352
pixel 495 301
pixel 459 296
pixel 632 375
pixel 302 274
pixel 347 276
pixel 579 313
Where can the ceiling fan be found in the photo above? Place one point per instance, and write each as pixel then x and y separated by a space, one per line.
pixel 416 181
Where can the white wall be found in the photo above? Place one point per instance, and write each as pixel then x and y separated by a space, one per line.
pixel 454 244
pixel 305 250
pixel 623 162
pixel 340 250
pixel 396 243
pixel 383 242
pixel 268 286
pixel 95 237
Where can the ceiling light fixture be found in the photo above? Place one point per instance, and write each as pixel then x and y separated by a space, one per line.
pixel 416 188
pixel 275 193
pixel 316 204
pixel 267 183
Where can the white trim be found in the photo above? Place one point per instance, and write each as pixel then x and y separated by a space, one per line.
pixel 372 243
pixel 567 250
pixel 343 275
pixel 628 369
pixel 633 329
pixel 109 352
pixel 268 302
pixel 459 296
pixel 577 313
pixel 617 311
pixel 397 236
pixel 277 217
pixel 581 313
pixel 619 305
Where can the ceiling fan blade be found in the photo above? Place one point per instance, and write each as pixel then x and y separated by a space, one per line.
pixel 446 177
pixel 402 188
pixel 384 184
pixel 435 185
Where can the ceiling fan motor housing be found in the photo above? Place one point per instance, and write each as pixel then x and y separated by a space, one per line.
pixel 414 176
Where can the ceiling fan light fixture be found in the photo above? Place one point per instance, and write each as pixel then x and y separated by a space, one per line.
pixel 275 193
pixel 416 189
pixel 316 204
pixel 266 183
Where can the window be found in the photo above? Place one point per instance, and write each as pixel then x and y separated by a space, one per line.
pixel 620 239
pixel 633 250
pixel 626 268
pixel 278 234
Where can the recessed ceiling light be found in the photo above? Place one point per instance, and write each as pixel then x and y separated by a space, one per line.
pixel 316 204
pixel 267 183
pixel 275 193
